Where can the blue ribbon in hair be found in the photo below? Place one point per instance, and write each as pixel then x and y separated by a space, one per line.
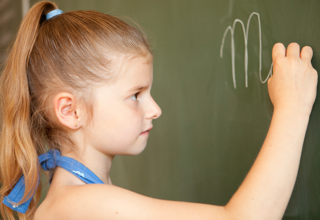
pixel 53 13
pixel 48 162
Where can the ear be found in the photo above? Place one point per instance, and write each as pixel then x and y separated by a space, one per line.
pixel 67 111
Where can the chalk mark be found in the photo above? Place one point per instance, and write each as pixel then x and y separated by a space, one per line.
pixel 245 35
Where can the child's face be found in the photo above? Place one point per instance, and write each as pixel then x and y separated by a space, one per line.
pixel 124 110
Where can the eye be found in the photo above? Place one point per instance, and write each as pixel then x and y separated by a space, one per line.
pixel 134 97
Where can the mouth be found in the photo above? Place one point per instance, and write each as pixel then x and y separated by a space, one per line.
pixel 146 131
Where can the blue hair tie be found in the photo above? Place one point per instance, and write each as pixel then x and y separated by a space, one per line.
pixel 53 13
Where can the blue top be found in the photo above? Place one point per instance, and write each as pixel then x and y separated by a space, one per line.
pixel 49 161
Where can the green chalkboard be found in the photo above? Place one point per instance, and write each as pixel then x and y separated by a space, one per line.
pixel 10 18
pixel 216 112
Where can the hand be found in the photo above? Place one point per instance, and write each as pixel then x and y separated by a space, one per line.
pixel 293 85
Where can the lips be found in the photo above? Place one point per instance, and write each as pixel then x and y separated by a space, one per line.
pixel 146 131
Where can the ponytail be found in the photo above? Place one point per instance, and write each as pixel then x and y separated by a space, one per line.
pixel 18 153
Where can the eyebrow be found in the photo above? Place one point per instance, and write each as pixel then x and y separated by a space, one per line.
pixel 137 88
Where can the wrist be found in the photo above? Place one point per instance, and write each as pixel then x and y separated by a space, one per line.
pixel 297 110
pixel 294 113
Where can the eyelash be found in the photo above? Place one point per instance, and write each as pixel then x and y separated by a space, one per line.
pixel 136 96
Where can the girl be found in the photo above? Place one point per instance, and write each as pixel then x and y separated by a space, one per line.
pixel 78 83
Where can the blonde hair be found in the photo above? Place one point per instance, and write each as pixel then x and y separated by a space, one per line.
pixel 64 53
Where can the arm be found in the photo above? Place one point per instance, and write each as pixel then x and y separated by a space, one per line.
pixel 267 188
pixel 265 191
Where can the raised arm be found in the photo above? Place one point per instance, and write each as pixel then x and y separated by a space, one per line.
pixel 266 190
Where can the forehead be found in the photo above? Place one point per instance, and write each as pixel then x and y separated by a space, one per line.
pixel 138 71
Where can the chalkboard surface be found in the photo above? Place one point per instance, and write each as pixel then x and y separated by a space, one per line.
pixel 216 109
pixel 10 18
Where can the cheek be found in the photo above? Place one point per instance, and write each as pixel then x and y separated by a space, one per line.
pixel 124 120
pixel 117 129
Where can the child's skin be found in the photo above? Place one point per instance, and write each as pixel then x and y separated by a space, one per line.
pixel 121 117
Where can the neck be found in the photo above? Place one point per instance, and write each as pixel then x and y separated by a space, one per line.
pixel 97 162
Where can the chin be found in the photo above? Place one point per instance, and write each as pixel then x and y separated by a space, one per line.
pixel 136 150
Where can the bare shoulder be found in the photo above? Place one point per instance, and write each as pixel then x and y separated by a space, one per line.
pixel 48 208
pixel 98 201
pixel 42 211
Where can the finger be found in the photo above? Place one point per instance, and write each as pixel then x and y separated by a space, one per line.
pixel 306 53
pixel 293 50
pixel 278 51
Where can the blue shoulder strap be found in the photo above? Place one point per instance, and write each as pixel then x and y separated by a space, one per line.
pixel 48 162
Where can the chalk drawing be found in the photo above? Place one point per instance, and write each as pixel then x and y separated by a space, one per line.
pixel 245 35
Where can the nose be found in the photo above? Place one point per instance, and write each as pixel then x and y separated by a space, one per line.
pixel 154 111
